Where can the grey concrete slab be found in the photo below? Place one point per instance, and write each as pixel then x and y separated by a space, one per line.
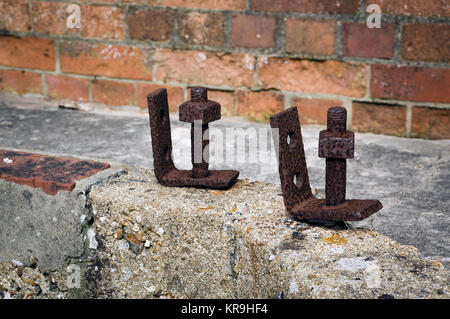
pixel 410 177
pixel 46 230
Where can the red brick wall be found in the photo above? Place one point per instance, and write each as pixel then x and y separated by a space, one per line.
pixel 256 56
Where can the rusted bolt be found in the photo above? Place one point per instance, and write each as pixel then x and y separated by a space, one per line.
pixel 336 144
pixel 199 94
pixel 199 111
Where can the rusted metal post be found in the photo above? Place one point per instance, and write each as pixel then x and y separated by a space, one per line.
pixel 200 165
pixel 336 168
pixel 200 156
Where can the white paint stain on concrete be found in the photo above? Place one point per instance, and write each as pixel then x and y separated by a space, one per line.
pixel 293 286
pixel 335 249
pixel 126 274
pixel 93 244
pixel 354 264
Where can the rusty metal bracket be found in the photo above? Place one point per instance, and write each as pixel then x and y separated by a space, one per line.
pixel 198 109
pixel 336 145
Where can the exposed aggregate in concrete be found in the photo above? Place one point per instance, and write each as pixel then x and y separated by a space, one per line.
pixel 149 241
pixel 184 242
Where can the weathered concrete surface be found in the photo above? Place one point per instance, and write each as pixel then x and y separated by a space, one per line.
pixel 44 230
pixel 410 177
pixel 241 243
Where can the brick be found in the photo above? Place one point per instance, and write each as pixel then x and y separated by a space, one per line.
pixel 51 18
pixel 20 82
pixel 102 22
pixel 426 42
pixel 310 36
pixel 27 52
pixel 175 95
pixel 201 28
pixel 226 99
pixel 113 92
pixel 50 173
pixel 414 7
pixel 360 41
pixel 314 111
pixel 154 25
pixel 253 31
pixel 67 88
pixel 259 106
pixel 410 83
pixel 107 60
pixel 430 123
pixel 202 4
pixel 14 15
pixel 379 118
pixel 205 68
pixel 127 1
pixel 332 77
pixel 313 6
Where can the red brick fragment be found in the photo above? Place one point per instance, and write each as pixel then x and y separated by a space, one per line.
pixel 49 173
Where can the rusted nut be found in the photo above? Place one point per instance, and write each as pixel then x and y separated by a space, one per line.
pixel 199 108
pixel 336 141
pixel 336 146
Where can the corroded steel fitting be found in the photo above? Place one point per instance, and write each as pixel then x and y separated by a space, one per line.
pixel 198 111
pixel 336 145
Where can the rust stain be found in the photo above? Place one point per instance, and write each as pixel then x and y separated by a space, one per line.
pixel 132 239
pixel 29 281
